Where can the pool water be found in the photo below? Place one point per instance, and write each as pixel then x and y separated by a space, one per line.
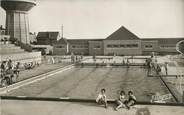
pixel 86 82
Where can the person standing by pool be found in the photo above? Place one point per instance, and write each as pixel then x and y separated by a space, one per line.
pixel 166 68
pixel 102 99
pixel 128 63
pixel 158 69
pixel 10 64
pixel 94 57
pixel 148 64
pixel 121 101
pixel 123 61
pixel 72 58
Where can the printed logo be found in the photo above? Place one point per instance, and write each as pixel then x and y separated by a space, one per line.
pixel 143 111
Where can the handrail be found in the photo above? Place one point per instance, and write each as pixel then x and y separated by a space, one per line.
pixel 178 47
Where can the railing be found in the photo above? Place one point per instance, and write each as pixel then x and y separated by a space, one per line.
pixel 179 47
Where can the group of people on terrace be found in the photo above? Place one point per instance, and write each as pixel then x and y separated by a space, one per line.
pixel 123 101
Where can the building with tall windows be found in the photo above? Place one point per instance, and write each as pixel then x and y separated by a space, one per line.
pixel 162 46
pixel 121 42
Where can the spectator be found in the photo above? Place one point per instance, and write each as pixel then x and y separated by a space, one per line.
pixel 123 62
pixel 2 40
pixel 17 69
pixel 166 68
pixel 10 64
pixel 94 57
pixel 102 99
pixel 158 69
pixel 72 58
pixel 128 63
pixel 5 40
pixel 3 66
pixel 81 56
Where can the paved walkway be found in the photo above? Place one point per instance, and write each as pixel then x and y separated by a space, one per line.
pixel 17 107
pixel 41 69
pixel 174 68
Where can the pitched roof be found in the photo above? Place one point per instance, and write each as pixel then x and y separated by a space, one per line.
pixel 164 40
pixel 47 35
pixel 61 41
pixel 82 41
pixel 78 41
pixel 122 34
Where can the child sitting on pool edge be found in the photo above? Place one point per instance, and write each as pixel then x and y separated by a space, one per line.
pixel 121 101
pixel 102 99
pixel 131 99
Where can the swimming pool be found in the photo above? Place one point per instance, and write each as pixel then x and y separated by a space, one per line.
pixel 86 82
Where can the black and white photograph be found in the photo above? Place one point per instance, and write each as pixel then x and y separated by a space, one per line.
pixel 92 57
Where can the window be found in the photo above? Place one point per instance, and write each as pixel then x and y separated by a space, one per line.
pixel 122 46
pixel 148 47
pixel 97 47
pixel 134 45
pixel 85 46
pixel 79 46
pixel 167 47
pixel 60 47
pixel 115 46
pixel 73 46
pixel 128 45
pixel 109 46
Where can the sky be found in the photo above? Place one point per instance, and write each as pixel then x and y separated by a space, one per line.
pixel 100 18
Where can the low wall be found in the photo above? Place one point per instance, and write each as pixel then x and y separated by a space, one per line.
pixel 68 99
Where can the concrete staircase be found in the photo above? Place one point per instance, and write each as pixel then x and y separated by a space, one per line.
pixel 17 54
pixel 10 48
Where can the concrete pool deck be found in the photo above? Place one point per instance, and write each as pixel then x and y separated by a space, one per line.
pixel 17 107
pixel 174 68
